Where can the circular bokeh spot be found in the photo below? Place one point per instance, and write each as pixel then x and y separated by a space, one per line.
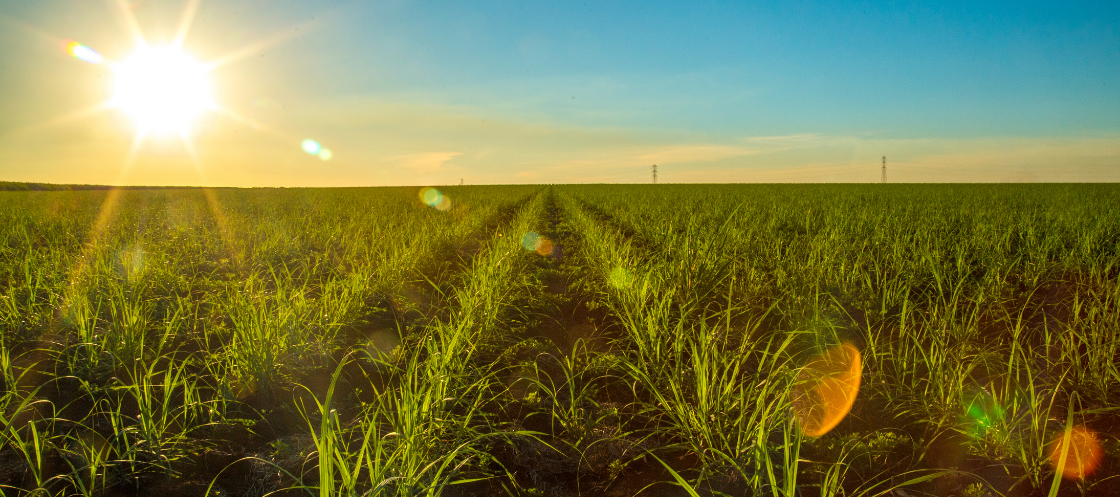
pixel 383 343
pixel 435 199
pixel 444 204
pixel 544 247
pixel 311 146
pixel 1083 453
pixel 826 388
pixel 531 241
pixel 430 196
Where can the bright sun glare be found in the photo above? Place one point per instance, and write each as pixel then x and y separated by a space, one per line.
pixel 162 89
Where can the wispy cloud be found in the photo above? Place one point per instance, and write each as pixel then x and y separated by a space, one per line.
pixel 425 162
pixel 387 143
pixel 695 153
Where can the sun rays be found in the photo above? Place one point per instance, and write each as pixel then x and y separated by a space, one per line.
pixel 164 91
pixel 162 88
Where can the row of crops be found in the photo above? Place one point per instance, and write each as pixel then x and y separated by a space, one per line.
pixel 563 340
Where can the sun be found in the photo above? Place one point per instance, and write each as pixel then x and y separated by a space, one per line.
pixel 163 89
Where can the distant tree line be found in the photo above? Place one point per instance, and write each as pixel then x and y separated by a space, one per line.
pixel 51 187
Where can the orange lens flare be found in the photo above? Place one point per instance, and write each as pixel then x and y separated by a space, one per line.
pixel 544 247
pixel 535 242
pixel 1082 451
pixel 826 389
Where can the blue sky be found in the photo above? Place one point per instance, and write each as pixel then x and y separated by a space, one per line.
pixel 507 92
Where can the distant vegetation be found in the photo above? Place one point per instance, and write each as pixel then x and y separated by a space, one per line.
pixel 52 187
pixel 834 340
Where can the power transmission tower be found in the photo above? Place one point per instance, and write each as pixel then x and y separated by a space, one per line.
pixel 655 174
pixel 884 178
pixel 460 181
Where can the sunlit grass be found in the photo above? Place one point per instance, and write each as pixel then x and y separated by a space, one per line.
pixel 181 342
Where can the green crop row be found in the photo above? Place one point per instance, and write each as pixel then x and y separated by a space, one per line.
pixel 986 317
pixel 565 340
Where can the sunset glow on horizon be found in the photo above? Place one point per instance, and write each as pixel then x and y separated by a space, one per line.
pixel 206 93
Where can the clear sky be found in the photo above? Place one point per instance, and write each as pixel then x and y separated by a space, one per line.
pixel 415 93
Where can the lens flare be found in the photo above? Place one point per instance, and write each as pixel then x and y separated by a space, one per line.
pixel 826 389
pixel 982 413
pixel 326 154
pixel 531 241
pixel 384 343
pixel 444 204
pixel 535 242
pixel 311 146
pixel 82 52
pixel 435 199
pixel 1082 452
pixel 430 196
pixel 544 247
pixel 130 262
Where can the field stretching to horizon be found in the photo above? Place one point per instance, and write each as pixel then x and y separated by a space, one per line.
pixel 597 340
